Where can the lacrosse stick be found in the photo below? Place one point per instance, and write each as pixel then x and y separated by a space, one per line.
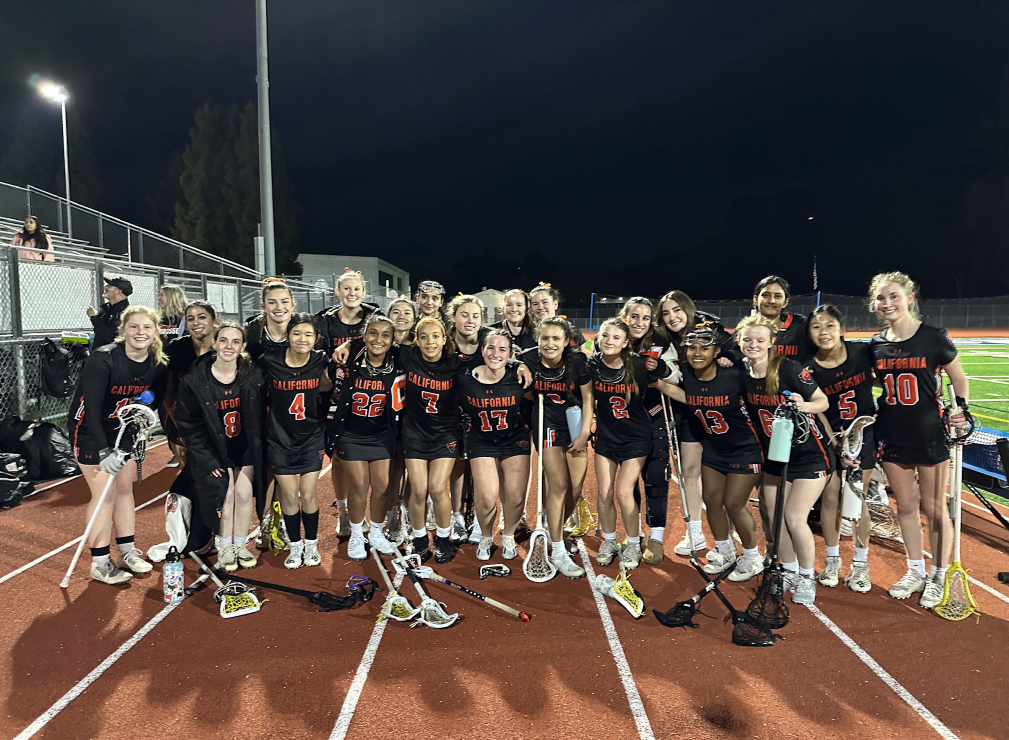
pixel 499 570
pixel 537 566
pixel 431 613
pixel 139 420
pixel 360 589
pixel 620 590
pixel 524 616
pixel 957 602
pixel 236 599
pixel 395 606
pixel 852 498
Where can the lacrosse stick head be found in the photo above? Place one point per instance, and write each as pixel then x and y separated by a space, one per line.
pixel 537 566
pixel 398 608
pixel 681 615
pixel 620 590
pixel 957 602
pixel 747 633
pixel 853 436
pixel 499 570
pixel 885 523
pixel 586 519
pixel 360 589
pixel 236 600
pixel 412 562
pixel 136 423
pixel 769 610
pixel 433 614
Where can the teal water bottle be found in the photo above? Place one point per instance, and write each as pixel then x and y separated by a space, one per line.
pixel 573 415
pixel 781 440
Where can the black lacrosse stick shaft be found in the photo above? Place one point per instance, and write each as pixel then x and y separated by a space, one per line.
pixel 322 599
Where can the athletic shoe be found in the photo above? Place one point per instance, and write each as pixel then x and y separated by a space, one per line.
pixel 804 591
pixel 654 551
pixel 684 547
pixel 134 561
pixel 343 526
pixel 630 556
pixel 484 547
pixel 718 561
pixel 294 559
pixel 245 558
pixel 355 547
pixel 567 567
pixel 444 550
pixel 570 546
pixel 830 576
pixel 282 534
pixel 858 579
pixel 713 553
pixel 173 463
pixel 422 547
pixel 227 558
pixel 432 523
pixel 475 534
pixel 508 549
pixel 910 583
pixel 107 572
pixel 789 578
pixel 310 556
pixel 746 568
pixel 458 532
pixel 932 595
pixel 377 539
pixel 607 551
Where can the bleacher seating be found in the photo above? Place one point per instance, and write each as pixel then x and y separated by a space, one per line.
pixel 62 243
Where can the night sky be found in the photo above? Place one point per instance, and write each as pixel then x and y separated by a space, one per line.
pixel 613 146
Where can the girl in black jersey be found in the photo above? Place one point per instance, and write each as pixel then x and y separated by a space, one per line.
pixel 518 320
pixel 909 357
pixel 171 313
pixel 732 457
pixel 218 412
pixel 466 329
pixel 543 301
pixel 497 441
pixel 403 313
pixel 346 319
pixel 113 376
pixel 201 321
pixel 296 383
pixel 768 377
pixel 561 376
pixel 267 332
pixel 429 296
pixel 770 299
pixel 371 401
pixel 843 370
pixel 623 436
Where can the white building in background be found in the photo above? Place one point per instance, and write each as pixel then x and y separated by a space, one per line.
pixel 493 301
pixel 383 281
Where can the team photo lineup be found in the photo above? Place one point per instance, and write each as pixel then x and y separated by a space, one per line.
pixel 434 420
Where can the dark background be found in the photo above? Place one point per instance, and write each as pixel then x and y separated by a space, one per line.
pixel 614 147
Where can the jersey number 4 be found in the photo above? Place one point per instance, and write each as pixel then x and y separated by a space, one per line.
pixel 714 423
pixel 297 407
pixel 903 390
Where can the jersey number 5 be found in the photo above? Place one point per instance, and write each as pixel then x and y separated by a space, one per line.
pixel 297 407
pixel 717 423
pixel 903 390
pixel 846 405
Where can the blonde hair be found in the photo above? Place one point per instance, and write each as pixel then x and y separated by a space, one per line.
pixel 157 350
pixel 176 301
pixel 774 360
pixel 906 284
pixel 349 274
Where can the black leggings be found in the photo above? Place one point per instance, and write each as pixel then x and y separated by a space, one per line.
pixel 656 475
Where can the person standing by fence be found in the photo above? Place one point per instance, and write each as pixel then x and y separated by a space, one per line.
pixel 106 320
pixel 38 245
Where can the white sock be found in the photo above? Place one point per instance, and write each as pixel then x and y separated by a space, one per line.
pixel 419 533
pixel 931 572
pixel 918 566
pixel 226 541
pixel 240 541
pixel 125 548
pixel 833 552
pixel 442 531
pixel 610 536
pixel 696 525
pixel 657 534
pixel 376 526
pixel 457 515
pixel 792 567
pixel 807 572
pixel 633 540
pixel 357 528
pixel 940 575
pixel 557 549
pixel 861 555
pixel 101 559
pixel 725 546
pixel 755 551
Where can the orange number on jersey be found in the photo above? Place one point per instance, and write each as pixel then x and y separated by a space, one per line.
pixel 398 393
pixel 766 420
pixel 233 423
pixel 499 415
pixel 365 406
pixel 297 407
pixel 717 425
pixel 432 401
pixel 903 390
pixel 619 407
pixel 846 405
pixel 555 398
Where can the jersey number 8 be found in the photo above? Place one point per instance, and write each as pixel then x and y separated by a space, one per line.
pixel 232 424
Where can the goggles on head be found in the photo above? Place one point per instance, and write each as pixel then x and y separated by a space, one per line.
pixel 700 337
pixel 432 287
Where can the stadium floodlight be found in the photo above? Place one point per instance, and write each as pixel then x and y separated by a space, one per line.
pixel 58 94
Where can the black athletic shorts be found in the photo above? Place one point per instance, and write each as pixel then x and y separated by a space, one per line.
pixel 739 465
pixel 685 428
pixel 933 454
pixel 364 448
pixel 797 472
pixel 284 461
pixel 430 449
pixel 87 456
pixel 620 453
pixel 476 449
pixel 554 436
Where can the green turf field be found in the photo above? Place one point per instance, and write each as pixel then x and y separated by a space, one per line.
pixel 987 366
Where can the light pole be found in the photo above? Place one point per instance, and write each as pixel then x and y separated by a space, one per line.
pixel 58 94
pixel 265 155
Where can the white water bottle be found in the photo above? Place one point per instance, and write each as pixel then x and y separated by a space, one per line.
pixel 172 577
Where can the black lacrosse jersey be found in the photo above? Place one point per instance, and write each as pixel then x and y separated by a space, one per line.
pixel 109 381
pixel 259 342
pixel 376 399
pixel 559 393
pixel 432 410
pixel 620 422
pixel 295 418
pixel 718 407
pixel 792 339
pixel 657 345
pixel 792 376
pixel 910 407
pixel 520 342
pixel 181 356
pixel 333 332
pixel 494 410
pixel 848 386
pixel 228 400
pixel 482 333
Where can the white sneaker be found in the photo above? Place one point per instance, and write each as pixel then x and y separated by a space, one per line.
pixel 804 591
pixel 107 572
pixel 311 555
pixel 458 532
pixel 684 547
pixel 607 551
pixel 789 578
pixel 630 556
pixel 566 566
pixel 719 561
pixel 910 583
pixel 858 578
pixel 746 568
pixel 294 557
pixel 355 547
pixel 932 595
pixel 508 549
pixel 484 547
pixel 134 562
pixel 830 576
pixel 475 534
pixel 227 558
pixel 377 539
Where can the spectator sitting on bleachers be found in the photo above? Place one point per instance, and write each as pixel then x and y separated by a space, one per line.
pixel 106 320
pixel 33 237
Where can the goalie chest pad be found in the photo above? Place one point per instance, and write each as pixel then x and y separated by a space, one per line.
pixel 56 363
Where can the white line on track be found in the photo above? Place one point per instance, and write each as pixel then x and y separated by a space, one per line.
pixel 89 679
pixel 978 583
pixel 885 677
pixel 623 667
pixel 361 676
pixel 61 548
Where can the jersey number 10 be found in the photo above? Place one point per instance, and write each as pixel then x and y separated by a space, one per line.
pixel 903 390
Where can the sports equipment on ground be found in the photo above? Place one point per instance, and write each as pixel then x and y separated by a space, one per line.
pixel 524 616
pixel 499 570
pixel 957 603
pixel 395 606
pixel 395 529
pixel 621 590
pixel 582 519
pixel 431 613
pixel 139 421
pixel 360 589
pixel 236 599
pixel 537 566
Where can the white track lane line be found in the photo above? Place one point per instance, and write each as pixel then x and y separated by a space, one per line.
pixel 82 685
pixel 361 676
pixel 61 548
pixel 623 667
pixel 885 677
pixel 75 477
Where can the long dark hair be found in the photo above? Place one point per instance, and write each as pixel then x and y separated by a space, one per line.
pixel 528 325
pixel 568 355
pixel 645 341
pixel 40 237
pixel 771 280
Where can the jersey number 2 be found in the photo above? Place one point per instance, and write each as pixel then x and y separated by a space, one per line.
pixel 619 405
pixel 363 406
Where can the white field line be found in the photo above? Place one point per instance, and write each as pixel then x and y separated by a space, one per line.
pixel 623 667
pixel 976 582
pixel 89 679
pixel 987 379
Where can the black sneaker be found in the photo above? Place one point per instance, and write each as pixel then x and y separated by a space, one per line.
pixel 444 549
pixel 422 547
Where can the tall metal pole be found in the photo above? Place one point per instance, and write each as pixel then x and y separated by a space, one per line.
pixel 66 166
pixel 265 156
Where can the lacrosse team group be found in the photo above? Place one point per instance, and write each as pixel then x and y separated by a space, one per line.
pixel 430 417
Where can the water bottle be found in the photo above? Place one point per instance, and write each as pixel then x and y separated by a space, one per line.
pixel 573 415
pixel 781 440
pixel 172 577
